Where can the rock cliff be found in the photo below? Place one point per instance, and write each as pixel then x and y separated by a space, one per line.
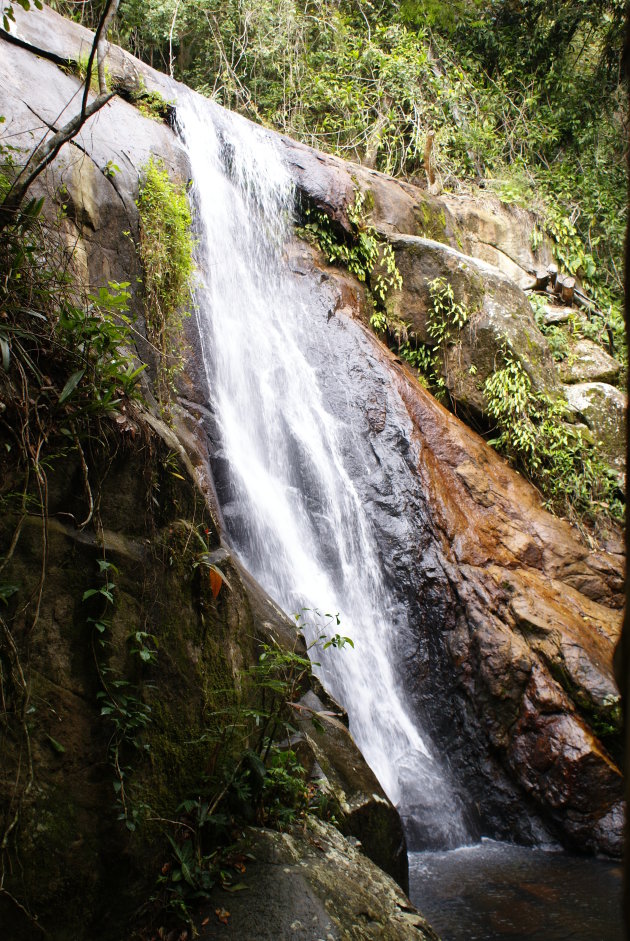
pixel 515 615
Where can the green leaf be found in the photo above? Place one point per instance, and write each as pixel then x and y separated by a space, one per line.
pixel 58 747
pixel 71 385
pixel 6 591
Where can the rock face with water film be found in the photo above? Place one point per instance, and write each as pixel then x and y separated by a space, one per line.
pixel 516 623
pixel 479 688
pixel 516 617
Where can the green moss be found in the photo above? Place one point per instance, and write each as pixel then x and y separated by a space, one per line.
pixel 166 253
pixel 606 720
pixel 431 221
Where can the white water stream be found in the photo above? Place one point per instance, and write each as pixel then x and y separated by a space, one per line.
pixel 291 509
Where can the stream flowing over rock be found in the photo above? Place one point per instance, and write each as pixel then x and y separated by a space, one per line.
pixel 488 624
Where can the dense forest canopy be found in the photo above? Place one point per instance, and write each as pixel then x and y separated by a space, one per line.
pixel 523 97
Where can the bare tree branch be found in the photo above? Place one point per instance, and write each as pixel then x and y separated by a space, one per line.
pixel 108 14
pixel 45 153
pixel 40 159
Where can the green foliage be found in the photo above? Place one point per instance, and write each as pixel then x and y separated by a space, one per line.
pixel 8 16
pixel 445 318
pixel 254 773
pixel 363 252
pixel 535 435
pixel 152 105
pixel 166 252
pixel 122 706
pixel 607 330
pixel 556 336
pixel 68 355
pixel 526 97
pixel 80 69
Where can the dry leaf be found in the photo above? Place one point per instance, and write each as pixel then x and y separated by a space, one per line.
pixel 215 582
pixel 222 914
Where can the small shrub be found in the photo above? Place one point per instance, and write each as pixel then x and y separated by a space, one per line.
pixel 363 253
pixel 535 436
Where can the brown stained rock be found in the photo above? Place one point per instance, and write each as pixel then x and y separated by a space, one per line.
pixel 530 597
pixel 561 764
pixel 527 623
pixel 571 634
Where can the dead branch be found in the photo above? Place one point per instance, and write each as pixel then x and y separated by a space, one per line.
pixel 45 153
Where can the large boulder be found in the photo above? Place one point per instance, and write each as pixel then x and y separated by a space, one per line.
pixel 499 317
pixel 312 883
pixel 81 870
pixel 588 362
pixel 602 408
pixel 499 234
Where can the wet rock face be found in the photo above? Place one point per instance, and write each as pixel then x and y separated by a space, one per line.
pixel 530 633
pixel 331 756
pixel 513 619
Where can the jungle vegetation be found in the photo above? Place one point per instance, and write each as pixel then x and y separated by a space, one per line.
pixel 520 97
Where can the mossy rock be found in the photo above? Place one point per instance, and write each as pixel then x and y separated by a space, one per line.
pixel 75 855
pixel 498 316
pixel 602 408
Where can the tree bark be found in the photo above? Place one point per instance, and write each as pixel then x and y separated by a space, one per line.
pixel 568 287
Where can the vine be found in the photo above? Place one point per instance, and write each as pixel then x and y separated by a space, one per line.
pixel 122 707
pixel 66 370
pixel 363 252
pixel 166 253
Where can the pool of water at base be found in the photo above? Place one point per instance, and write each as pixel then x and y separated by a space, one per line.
pixel 500 892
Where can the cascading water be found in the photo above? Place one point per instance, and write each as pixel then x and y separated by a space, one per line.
pixel 274 361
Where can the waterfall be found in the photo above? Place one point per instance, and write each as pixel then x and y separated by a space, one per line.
pixel 279 377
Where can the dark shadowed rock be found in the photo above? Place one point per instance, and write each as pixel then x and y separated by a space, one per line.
pixel 313 883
